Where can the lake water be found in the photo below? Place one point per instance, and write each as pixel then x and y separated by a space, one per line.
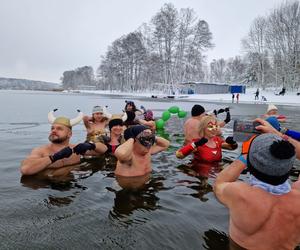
pixel 87 207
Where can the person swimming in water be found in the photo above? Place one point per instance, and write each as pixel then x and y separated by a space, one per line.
pixel 208 146
pixel 130 106
pixel 59 152
pixel 96 125
pixel 116 137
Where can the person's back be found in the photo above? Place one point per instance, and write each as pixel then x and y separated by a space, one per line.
pixel 271 220
pixel 191 126
pixel 191 129
pixel 264 211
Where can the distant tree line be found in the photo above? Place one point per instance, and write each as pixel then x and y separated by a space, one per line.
pixel 73 79
pixel 171 49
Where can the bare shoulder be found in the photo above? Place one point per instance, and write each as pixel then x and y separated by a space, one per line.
pixel 230 192
pixel 40 151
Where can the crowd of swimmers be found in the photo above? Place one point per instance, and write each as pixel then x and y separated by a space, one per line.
pixel 263 212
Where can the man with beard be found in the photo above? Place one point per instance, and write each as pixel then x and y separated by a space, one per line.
pixel 59 152
pixel 134 156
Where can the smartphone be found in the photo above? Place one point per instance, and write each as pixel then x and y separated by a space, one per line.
pixel 244 130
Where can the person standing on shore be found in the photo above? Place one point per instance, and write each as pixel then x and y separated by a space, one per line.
pixel 232 98
pixel 256 95
pixel 237 97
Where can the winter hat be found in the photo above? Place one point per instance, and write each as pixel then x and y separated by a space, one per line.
pixel 148 115
pixel 197 110
pixel 115 122
pixel 133 131
pixel 271 107
pixel 270 158
pixel 274 122
pixel 97 109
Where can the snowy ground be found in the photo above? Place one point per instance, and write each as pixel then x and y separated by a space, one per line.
pixel 290 98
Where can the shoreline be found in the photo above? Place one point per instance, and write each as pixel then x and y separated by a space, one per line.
pixel 290 99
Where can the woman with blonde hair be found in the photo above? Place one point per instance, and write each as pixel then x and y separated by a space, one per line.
pixel 208 147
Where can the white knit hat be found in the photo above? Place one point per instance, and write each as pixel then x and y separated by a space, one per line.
pixel 271 107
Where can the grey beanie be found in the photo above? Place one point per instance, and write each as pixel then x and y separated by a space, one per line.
pixel 97 109
pixel 271 158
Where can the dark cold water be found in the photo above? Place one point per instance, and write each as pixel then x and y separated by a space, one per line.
pixel 88 208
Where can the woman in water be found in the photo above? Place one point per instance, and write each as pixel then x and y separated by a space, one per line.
pixel 96 125
pixel 116 134
pixel 207 148
pixel 130 106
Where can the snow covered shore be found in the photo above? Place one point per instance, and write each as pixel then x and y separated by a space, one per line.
pixel 290 98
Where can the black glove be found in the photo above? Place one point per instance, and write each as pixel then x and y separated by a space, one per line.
pixel 109 148
pixel 200 142
pixel 226 109
pixel 64 153
pixel 228 117
pixel 215 112
pixel 221 111
pixel 105 139
pixel 133 131
pixel 81 148
pixel 230 140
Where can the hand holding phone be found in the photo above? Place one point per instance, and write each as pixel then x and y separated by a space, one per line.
pixel 244 130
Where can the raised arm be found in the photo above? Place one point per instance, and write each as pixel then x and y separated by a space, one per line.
pixel 86 121
pixel 124 151
pixel 229 143
pixel 90 148
pixel 189 148
pixel 266 127
pixel 161 144
pixel 38 160
pixel 224 186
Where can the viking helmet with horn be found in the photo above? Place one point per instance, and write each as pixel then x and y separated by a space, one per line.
pixel 64 120
pixel 106 113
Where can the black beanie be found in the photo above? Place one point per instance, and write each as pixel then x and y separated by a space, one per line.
pixel 133 131
pixel 197 110
pixel 115 122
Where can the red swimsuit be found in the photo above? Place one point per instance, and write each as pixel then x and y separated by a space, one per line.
pixel 207 154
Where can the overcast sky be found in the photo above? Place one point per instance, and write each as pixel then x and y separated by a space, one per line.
pixel 40 39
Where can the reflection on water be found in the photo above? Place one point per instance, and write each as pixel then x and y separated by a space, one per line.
pixel 202 172
pixel 215 240
pixel 137 193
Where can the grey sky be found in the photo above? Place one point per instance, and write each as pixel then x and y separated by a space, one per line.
pixel 40 39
